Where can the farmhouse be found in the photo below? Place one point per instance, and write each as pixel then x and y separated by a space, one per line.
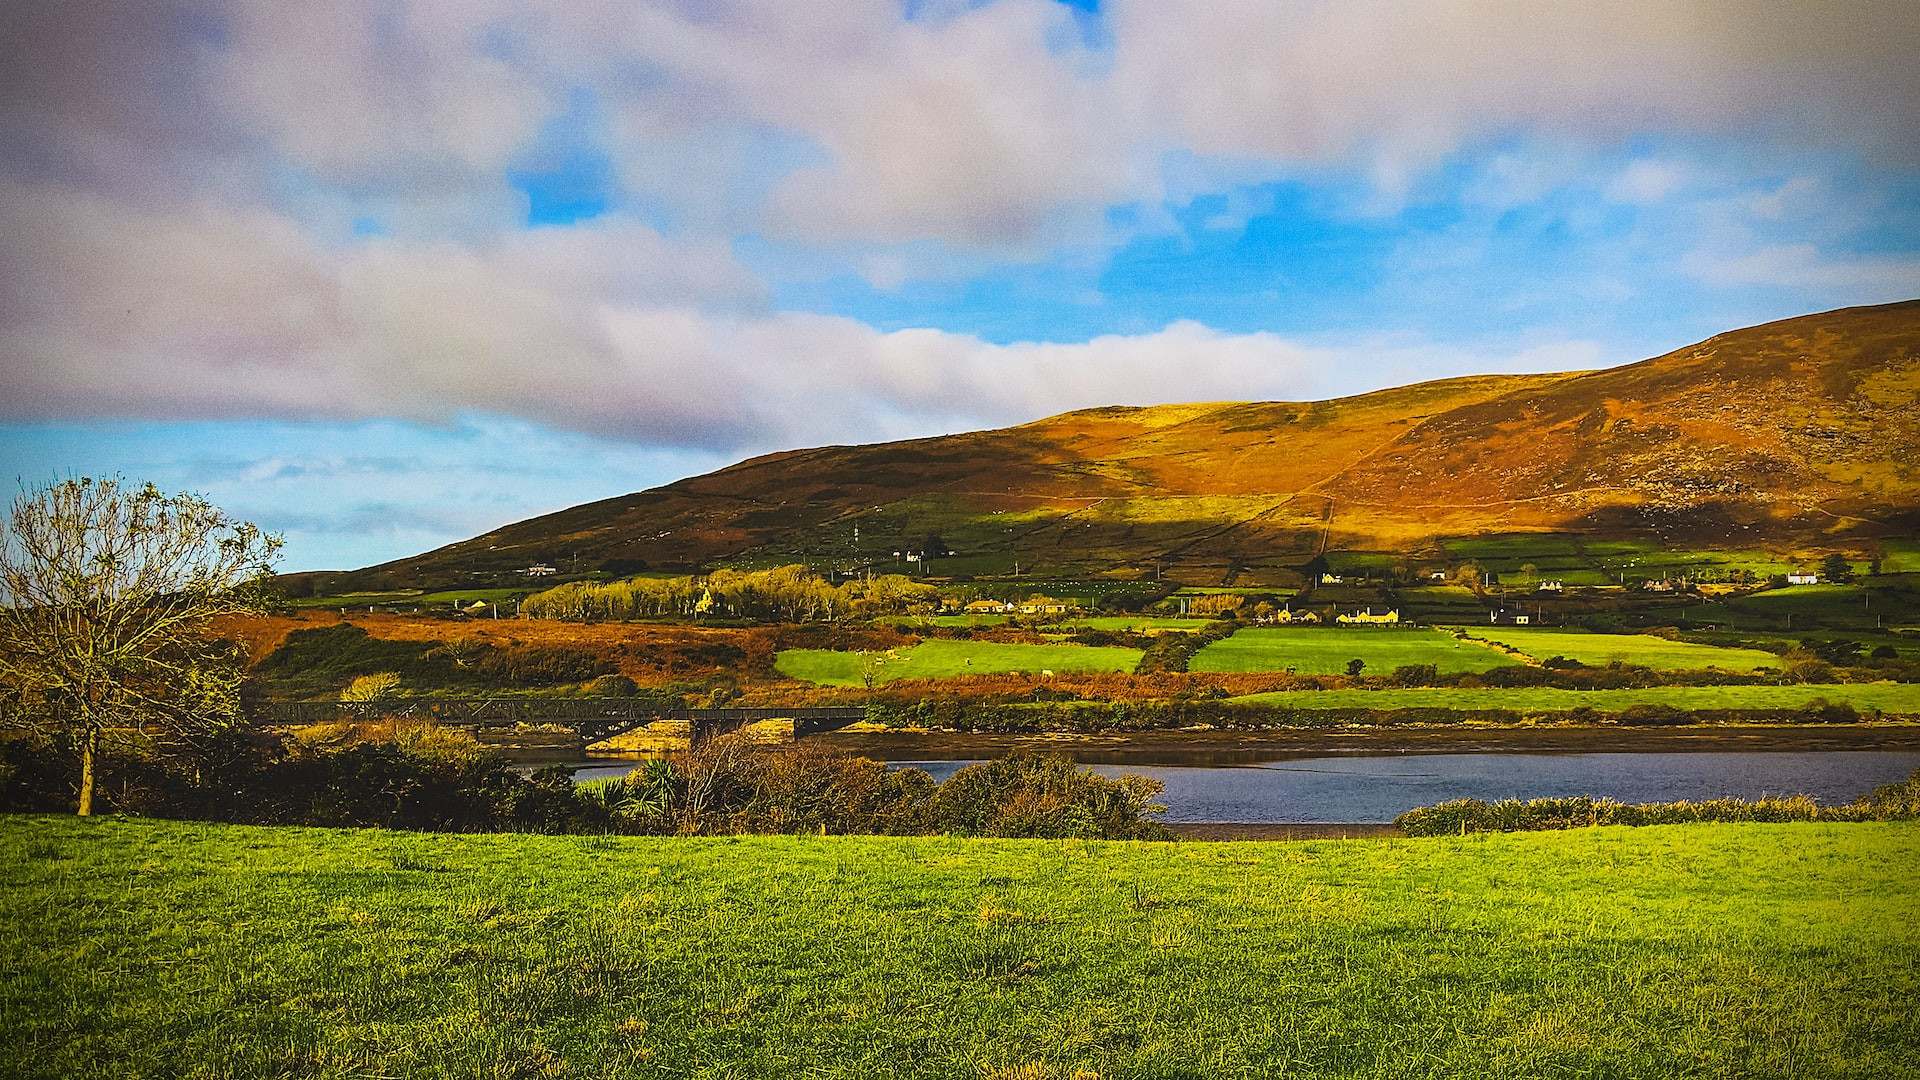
pixel 1371 616
pixel 1662 585
pixel 1297 618
pixel 1043 605
pixel 539 570
pixel 1500 616
pixel 988 607
pixel 1803 578
pixel 1551 586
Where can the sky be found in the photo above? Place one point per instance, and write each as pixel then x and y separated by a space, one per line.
pixel 384 274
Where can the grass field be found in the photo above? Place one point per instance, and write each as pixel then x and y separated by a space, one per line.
pixel 134 948
pixel 943 659
pixel 1143 623
pixel 1598 650
pixel 1838 606
pixel 413 599
pixel 1326 650
pixel 1900 698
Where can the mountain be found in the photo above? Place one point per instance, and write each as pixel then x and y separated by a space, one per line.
pixel 1794 433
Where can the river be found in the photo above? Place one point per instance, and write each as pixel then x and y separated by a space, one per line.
pixel 1372 777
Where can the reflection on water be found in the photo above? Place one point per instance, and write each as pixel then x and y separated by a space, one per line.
pixel 1377 789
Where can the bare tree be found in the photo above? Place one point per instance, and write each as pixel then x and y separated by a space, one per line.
pixel 106 596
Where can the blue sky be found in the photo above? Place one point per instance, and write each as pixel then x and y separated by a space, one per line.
pixel 382 274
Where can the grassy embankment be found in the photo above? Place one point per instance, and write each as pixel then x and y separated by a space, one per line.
pixel 145 948
pixel 1599 650
pixel 941 658
pixel 1888 697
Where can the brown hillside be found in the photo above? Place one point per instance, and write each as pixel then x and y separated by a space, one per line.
pixel 1795 431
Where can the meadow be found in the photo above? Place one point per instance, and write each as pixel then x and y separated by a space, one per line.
pixel 1599 650
pixel 1888 697
pixel 140 948
pixel 941 658
pixel 1326 651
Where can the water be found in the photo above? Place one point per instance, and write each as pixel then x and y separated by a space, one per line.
pixel 1365 789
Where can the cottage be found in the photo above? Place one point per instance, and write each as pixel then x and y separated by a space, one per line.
pixel 1371 616
pixel 1331 578
pixel 1551 586
pixel 1043 605
pixel 1798 578
pixel 1297 618
pixel 988 607
pixel 539 570
pixel 1501 616
pixel 1662 585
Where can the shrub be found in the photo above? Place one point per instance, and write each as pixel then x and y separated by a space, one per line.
pixel 614 686
pixel 1416 675
pixel 1655 716
pixel 1029 795
pixel 376 687
pixel 1890 802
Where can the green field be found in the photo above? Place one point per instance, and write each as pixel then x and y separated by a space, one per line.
pixel 414 599
pixel 1853 607
pixel 132 948
pixel 1141 623
pixel 944 659
pixel 1899 698
pixel 1598 650
pixel 1326 650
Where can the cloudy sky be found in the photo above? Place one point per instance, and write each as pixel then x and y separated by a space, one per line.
pixel 382 274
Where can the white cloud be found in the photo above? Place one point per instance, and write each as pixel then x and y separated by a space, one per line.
pixel 1861 279
pixel 202 313
pixel 978 128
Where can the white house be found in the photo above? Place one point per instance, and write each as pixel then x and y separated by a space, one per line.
pixel 1800 578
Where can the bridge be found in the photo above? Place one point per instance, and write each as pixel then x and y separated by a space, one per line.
pixel 594 719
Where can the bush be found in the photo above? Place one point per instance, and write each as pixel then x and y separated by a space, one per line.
pixel 1890 802
pixel 1655 716
pixel 1416 675
pixel 1029 795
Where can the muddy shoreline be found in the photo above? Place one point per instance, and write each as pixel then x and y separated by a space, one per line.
pixel 1242 747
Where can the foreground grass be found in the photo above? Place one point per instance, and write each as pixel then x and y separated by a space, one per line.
pixel 1599 650
pixel 941 658
pixel 1326 650
pixel 145 948
pixel 1887 697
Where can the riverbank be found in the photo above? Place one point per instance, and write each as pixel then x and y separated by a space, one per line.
pixel 149 948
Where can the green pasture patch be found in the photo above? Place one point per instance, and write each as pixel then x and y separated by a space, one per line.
pixel 1141 623
pixel 943 659
pixel 135 948
pixel 1598 650
pixel 1901 699
pixel 950 620
pixel 1900 557
pixel 1520 547
pixel 410 598
pixel 1862 607
pixel 1326 651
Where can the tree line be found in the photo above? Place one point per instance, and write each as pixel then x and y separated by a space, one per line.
pixel 793 594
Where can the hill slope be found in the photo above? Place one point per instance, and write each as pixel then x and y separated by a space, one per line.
pixel 1800 431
